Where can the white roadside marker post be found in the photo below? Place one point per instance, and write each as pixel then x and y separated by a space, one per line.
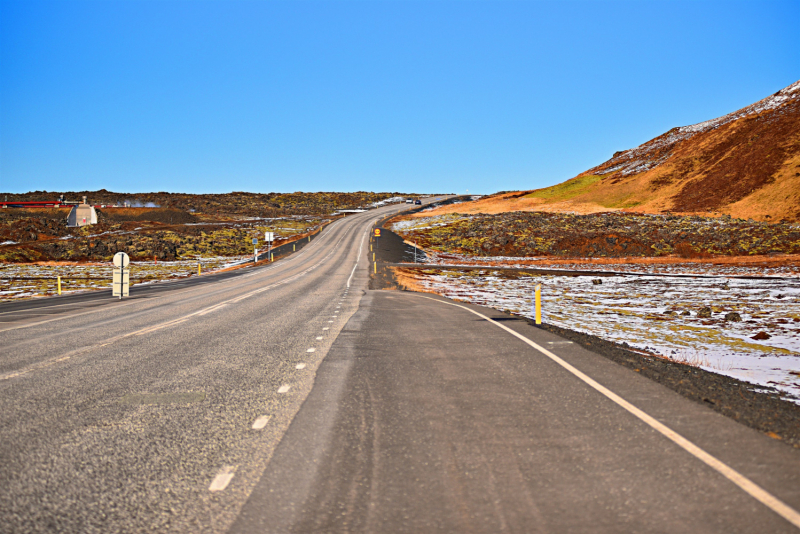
pixel 255 250
pixel 268 237
pixel 120 282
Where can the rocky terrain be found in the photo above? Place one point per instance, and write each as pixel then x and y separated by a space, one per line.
pixel 611 235
pixel 234 205
pixel 176 226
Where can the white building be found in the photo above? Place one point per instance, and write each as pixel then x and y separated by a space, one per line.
pixel 82 214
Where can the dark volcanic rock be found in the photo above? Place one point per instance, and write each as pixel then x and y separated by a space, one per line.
pixel 704 313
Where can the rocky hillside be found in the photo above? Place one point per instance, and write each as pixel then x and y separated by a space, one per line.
pixel 745 164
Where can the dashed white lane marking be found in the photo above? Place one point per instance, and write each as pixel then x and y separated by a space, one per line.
pixel 261 422
pixel 223 478
pixel 559 342
pixel 284 389
pixel 330 321
pixel 327 328
pixel 312 349
pixel 173 322
pixel 300 366
pixel 745 484
pixel 319 337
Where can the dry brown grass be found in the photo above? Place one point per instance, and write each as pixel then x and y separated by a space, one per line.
pixel 512 202
pixel 408 279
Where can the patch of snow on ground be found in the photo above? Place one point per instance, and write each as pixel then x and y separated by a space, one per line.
pixel 705 269
pixel 393 200
pixel 23 280
pixel 423 223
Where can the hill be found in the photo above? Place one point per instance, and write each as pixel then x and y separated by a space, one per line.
pixel 745 164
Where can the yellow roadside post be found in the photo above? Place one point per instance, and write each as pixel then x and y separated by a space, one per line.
pixel 198 268
pixel 538 303
pixel 294 245
pixel 59 285
pixel 377 233
pixel 271 257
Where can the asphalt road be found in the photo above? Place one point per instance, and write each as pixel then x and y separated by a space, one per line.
pixel 160 412
pixel 292 399
pixel 428 418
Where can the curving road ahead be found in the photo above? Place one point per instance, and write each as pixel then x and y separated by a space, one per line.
pixel 289 398
pixel 160 412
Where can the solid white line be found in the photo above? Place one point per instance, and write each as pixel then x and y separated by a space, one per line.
pixel 749 487
pixel 173 322
pixel 61 317
pixel 261 422
pixel 300 366
pixel 357 257
pixel 223 478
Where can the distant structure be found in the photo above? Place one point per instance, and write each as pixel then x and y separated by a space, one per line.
pixel 81 215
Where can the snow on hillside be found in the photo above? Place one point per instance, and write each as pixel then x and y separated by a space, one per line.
pixel 654 152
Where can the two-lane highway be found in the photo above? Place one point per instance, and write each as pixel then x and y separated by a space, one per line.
pixel 160 412
pixel 290 398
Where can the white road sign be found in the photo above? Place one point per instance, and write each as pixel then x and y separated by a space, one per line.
pixel 121 260
pixel 269 236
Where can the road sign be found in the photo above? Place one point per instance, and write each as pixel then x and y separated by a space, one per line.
pixel 255 241
pixel 377 232
pixel 269 236
pixel 121 260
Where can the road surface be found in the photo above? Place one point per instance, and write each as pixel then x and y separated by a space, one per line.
pixel 293 399
pixel 160 412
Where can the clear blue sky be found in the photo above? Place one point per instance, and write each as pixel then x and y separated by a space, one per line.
pixel 433 96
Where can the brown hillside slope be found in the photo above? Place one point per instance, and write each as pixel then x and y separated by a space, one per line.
pixel 745 164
